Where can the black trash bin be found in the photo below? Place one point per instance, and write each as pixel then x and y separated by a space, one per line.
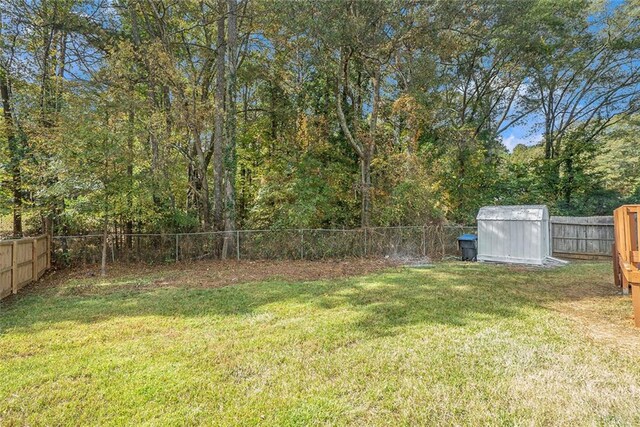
pixel 468 245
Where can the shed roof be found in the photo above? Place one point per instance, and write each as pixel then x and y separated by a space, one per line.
pixel 513 213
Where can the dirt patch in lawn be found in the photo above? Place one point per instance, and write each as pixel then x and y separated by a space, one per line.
pixel 607 319
pixel 583 293
pixel 224 273
pixel 599 310
pixel 204 274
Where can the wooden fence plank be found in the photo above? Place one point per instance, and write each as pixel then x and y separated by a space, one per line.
pixel 582 237
pixel 6 269
pixel 14 271
pixel 22 261
pixel 48 251
pixel 34 259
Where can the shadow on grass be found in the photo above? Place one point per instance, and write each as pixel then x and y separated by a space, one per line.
pixel 451 294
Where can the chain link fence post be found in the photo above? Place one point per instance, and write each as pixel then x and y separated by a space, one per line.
pixel 365 242
pixel 238 245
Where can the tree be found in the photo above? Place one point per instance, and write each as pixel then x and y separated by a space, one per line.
pixel 584 77
pixel 11 131
pixel 362 50
pixel 226 114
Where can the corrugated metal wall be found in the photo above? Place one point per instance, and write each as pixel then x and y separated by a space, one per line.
pixel 514 234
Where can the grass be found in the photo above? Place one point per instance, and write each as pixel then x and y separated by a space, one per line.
pixel 464 344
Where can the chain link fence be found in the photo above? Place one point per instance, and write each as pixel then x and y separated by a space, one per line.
pixel 432 242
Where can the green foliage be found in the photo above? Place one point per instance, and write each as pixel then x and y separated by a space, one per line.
pixel 309 187
pixel 619 159
pixel 116 115
pixel 587 177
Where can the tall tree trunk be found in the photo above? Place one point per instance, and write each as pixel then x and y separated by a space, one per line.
pixel 203 193
pixel 14 154
pixel 569 180
pixel 62 61
pixel 548 145
pixel 370 149
pixel 551 153
pixel 364 150
pixel 218 138
pixel 14 149
pixel 153 146
pixel 46 89
pixel 128 227
pixel 230 151
pixel 365 186
pixel 152 102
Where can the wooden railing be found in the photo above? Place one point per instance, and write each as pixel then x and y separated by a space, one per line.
pixel 23 261
pixel 626 262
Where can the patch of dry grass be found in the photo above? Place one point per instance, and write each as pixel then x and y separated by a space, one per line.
pixel 205 274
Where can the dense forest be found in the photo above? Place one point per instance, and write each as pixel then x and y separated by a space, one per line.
pixel 188 115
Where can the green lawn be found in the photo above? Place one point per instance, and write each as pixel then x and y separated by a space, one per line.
pixel 462 344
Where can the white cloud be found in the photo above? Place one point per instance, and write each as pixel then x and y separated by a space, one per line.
pixel 511 141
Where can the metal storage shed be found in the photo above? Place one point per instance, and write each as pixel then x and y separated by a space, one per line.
pixel 514 234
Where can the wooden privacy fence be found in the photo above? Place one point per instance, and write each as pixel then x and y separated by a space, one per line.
pixel 588 237
pixel 22 261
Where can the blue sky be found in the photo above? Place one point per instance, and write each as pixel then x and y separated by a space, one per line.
pixel 521 134
pixel 528 133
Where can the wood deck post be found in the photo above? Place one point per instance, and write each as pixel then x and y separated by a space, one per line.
pixel 626 256
pixel 616 266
